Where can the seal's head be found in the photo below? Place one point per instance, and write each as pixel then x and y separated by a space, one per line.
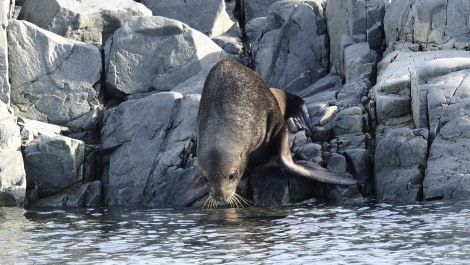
pixel 222 172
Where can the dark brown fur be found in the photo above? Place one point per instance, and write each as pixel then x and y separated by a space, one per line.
pixel 240 125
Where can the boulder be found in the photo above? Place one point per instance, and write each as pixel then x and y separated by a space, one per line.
pixel 12 174
pixel 53 163
pixel 400 161
pixel 349 22
pixel 155 53
pixel 12 178
pixel 433 25
pixel 147 151
pixel 4 84
pixel 359 60
pixel 79 195
pixel 207 16
pixel 397 94
pixel 348 121
pixel 53 79
pixel 86 20
pixel 291 51
pixel 448 171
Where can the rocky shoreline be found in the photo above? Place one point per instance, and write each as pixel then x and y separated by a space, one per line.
pixel 98 99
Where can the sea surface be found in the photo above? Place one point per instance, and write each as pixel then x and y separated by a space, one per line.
pixel 375 233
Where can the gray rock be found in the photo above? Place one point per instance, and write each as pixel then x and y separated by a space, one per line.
pixel 4 84
pixel 146 150
pixel 440 93
pixel 431 24
pixel 354 20
pixel 360 162
pixel 194 84
pixel 353 92
pixel 12 178
pixel 291 51
pixel 348 121
pixel 155 53
pixel 62 85
pixel 86 20
pixel 31 129
pixel 9 135
pixel 397 91
pixel 79 195
pixel 400 160
pixel 257 8
pixel 358 60
pixel 12 174
pixel 207 16
pixel 448 170
pixel 53 163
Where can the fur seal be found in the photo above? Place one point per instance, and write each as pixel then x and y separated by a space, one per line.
pixel 242 123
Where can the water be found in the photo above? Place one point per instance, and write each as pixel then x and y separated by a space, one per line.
pixel 428 233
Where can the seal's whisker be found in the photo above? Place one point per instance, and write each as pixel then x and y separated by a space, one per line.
pixel 237 199
pixel 206 201
pixel 233 201
pixel 244 200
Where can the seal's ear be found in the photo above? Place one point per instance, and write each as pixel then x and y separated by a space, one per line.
pixel 308 169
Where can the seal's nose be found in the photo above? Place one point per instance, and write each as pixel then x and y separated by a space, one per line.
pixel 219 198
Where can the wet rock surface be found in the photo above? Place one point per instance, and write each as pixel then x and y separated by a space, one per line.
pixel 114 122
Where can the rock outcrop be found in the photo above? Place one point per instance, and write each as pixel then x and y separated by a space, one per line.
pixel 155 54
pixel 86 20
pixel 386 84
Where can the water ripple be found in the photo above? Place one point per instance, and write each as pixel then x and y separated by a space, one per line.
pixel 428 233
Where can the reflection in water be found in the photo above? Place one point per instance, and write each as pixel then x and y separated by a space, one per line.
pixel 437 233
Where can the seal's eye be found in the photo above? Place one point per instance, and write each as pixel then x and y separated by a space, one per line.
pixel 233 175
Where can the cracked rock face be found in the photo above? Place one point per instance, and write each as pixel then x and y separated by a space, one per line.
pixel 291 50
pixel 432 25
pixel 156 53
pixel 53 79
pixel 206 16
pixel 448 171
pixel 89 21
pixel 149 151
pixel 428 91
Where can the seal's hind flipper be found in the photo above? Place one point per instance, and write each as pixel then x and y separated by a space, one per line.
pixel 308 169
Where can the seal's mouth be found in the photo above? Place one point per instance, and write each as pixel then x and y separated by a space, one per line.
pixel 234 201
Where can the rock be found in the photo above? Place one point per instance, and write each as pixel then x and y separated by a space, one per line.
pixel 155 53
pixel 400 160
pixel 257 8
pixel 400 90
pixel 207 16
pixel 353 92
pixel 448 167
pixel 301 60
pixel 80 195
pixel 360 162
pixel 194 84
pixel 62 85
pixel 53 163
pixel 433 25
pixel 4 84
pixel 358 60
pixel 12 178
pixel 348 121
pixel 440 92
pixel 86 20
pixel 351 21
pixel 12 174
pixel 146 150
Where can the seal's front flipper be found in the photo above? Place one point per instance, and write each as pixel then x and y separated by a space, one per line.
pixel 294 110
pixel 308 169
